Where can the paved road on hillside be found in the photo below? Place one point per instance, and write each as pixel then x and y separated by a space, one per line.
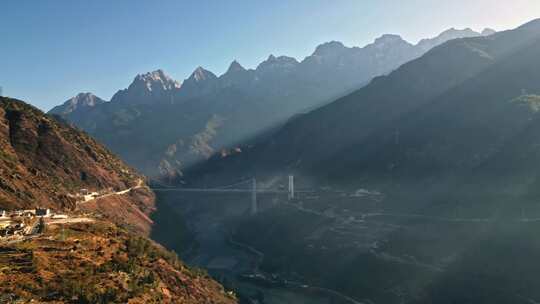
pixel 139 185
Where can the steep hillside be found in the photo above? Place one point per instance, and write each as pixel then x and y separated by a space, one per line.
pixel 100 263
pixel 44 160
pixel 97 251
pixel 207 113
pixel 45 163
pixel 485 125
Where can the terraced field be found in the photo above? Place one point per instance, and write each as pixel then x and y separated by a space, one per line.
pixel 16 260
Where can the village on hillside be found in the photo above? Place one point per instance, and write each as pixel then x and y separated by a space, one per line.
pixel 18 225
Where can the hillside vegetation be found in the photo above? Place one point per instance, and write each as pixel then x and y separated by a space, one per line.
pixel 42 160
pixel 100 263
pixel 106 257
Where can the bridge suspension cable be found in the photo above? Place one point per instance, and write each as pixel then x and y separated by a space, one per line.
pixel 246 182
pixel 234 187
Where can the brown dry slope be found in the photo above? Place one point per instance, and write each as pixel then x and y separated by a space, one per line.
pixel 100 263
pixel 42 162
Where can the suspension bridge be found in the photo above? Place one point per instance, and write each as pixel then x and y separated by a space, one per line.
pixel 244 186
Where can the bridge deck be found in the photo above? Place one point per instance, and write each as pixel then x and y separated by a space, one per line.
pixel 225 190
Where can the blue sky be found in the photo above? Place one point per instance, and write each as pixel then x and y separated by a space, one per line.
pixel 51 50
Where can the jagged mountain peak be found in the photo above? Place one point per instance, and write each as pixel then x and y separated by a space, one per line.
pixel 386 38
pixel 236 76
pixel 200 82
pixel 147 88
pixel 201 74
pixel 449 34
pixel 272 58
pixel 86 98
pixel 157 74
pixel 329 48
pixel 157 77
pixel 85 95
pixel 274 62
pixel 235 66
pixel 78 102
pixel 388 41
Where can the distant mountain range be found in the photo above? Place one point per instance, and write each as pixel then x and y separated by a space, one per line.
pixel 465 114
pixel 161 126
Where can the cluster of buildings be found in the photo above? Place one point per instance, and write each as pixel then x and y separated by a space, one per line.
pixel 8 228
pixel 21 222
pixel 26 213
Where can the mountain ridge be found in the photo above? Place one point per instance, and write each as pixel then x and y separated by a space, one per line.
pixel 327 48
pixel 244 101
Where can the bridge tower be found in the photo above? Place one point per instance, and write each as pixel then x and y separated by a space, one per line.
pixel 254 206
pixel 291 187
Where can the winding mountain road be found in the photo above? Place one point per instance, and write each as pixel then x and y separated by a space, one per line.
pixel 139 185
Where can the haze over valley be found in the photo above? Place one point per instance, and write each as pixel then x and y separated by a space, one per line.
pixel 394 172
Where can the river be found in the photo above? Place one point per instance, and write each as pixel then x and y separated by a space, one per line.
pixel 224 261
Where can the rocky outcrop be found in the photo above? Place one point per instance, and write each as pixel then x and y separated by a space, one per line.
pixel 147 88
pixel 80 103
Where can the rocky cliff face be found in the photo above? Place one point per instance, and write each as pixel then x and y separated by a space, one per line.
pixel 80 103
pixel 148 88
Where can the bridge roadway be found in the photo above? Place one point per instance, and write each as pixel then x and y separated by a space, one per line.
pixel 363 216
pixel 226 190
